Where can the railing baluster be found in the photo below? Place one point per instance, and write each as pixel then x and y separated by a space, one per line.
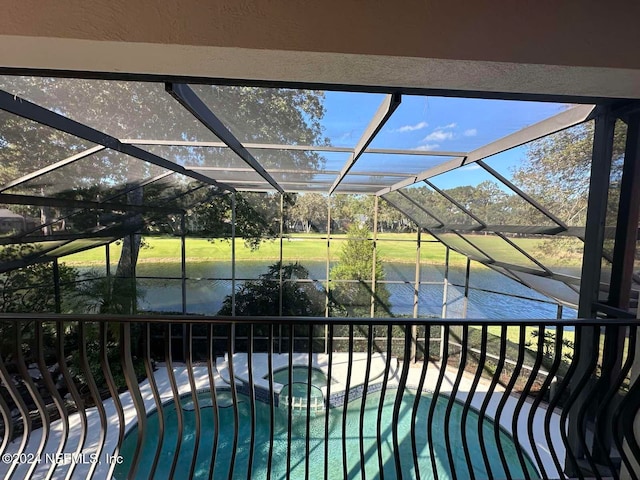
pixel 593 396
pixel 626 413
pixel 93 389
pixel 533 373
pixel 487 399
pixel 408 340
pixel 576 390
pixel 176 399
pixel 543 389
pixel 231 348
pixel 630 403
pixel 328 400
pixel 7 421
pixel 614 407
pixel 34 394
pixel 452 398
pixel 214 399
pixel 416 402
pixel 156 398
pixel 36 397
pixel 505 396
pixel 431 439
pixel 554 402
pixel 194 399
pixel 272 401
pixel 252 406
pixel 290 399
pixel 383 390
pixel 18 400
pixel 345 405
pixel 113 390
pixel 128 369
pixel 484 334
pixel 365 390
pixel 53 391
pixel 74 394
pixel 308 417
pixel 602 414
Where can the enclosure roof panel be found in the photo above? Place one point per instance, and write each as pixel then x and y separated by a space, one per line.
pixel 103 158
pixel 281 127
pixel 297 117
pixel 95 177
pixel 404 164
pixel 458 124
pixel 121 109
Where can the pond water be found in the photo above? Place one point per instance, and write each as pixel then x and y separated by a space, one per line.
pixel 205 296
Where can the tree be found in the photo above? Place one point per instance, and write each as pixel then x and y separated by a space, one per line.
pixel 557 168
pixel 440 207
pixel 556 171
pixel 31 288
pixel 256 219
pixel 262 297
pixel 355 265
pixel 391 219
pixel 144 110
pixel 349 209
pixel 310 210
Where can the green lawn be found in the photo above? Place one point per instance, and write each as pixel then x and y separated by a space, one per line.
pixel 502 251
pixel 392 247
pixel 513 345
pixel 513 336
pixel 397 248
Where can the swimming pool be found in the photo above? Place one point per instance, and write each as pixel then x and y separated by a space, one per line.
pixel 317 441
pixel 300 379
pixel 300 374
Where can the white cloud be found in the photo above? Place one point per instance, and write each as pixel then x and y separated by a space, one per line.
pixel 411 128
pixel 472 132
pixel 451 125
pixel 438 136
pixel 428 146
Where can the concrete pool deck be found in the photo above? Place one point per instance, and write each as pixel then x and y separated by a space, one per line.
pixel 319 361
pixel 200 374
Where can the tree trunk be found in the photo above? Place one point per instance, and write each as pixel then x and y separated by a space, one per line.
pixel 45 217
pixel 129 256
pixel 124 297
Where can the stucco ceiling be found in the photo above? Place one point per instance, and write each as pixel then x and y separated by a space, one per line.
pixel 525 48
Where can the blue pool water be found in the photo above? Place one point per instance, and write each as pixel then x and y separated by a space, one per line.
pixel 316 437
pixel 299 374
pixel 300 379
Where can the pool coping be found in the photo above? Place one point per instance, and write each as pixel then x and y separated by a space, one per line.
pixel 377 363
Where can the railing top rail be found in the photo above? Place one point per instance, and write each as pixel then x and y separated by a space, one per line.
pixel 271 320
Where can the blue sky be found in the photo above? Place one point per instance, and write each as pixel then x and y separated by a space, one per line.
pixel 432 123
